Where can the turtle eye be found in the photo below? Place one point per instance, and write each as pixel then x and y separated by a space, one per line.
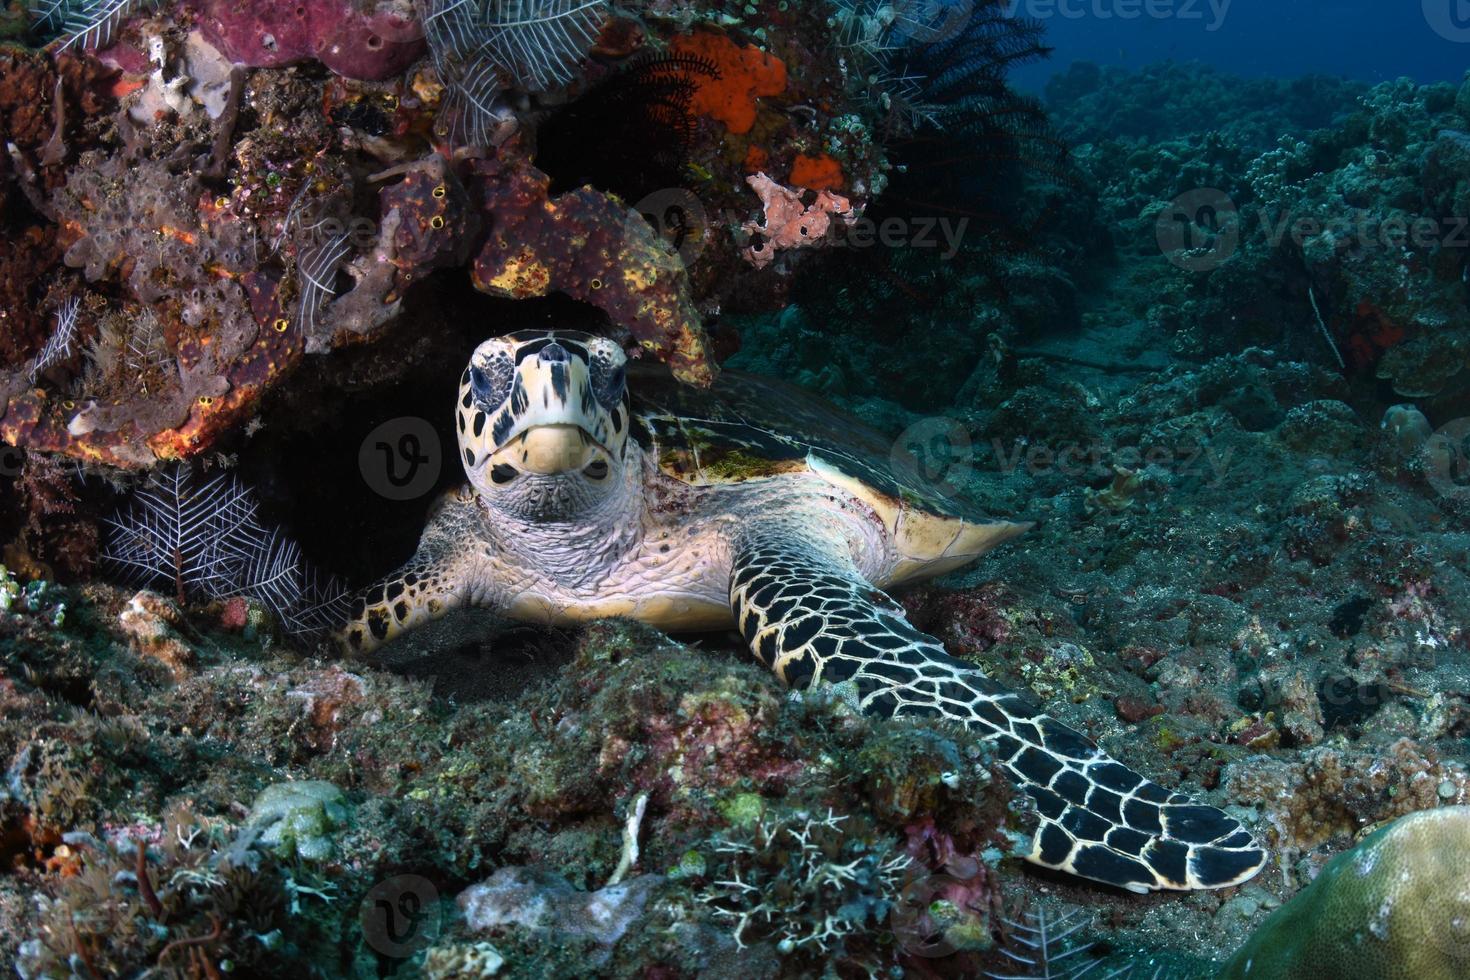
pixel 490 384
pixel 610 384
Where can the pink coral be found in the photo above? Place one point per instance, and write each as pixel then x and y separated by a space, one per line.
pixel 371 40
pixel 787 222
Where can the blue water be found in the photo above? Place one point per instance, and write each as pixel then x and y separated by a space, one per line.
pixel 1370 40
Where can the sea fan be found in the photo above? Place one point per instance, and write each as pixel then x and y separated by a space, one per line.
pixel 1043 948
pixel 479 46
pixel 202 538
pixel 1040 946
pixel 59 345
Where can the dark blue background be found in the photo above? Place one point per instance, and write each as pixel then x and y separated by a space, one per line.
pixel 1372 40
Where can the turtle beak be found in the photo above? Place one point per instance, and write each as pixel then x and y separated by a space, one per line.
pixel 548 450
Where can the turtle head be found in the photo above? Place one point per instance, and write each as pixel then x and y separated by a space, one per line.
pixel 543 422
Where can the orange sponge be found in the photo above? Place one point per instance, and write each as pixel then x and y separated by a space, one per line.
pixel 745 74
pixel 818 173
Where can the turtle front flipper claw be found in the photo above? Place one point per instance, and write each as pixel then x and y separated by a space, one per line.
pixel 445 573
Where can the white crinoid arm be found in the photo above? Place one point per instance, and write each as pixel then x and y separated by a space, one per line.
pixel 481 46
pixel 93 23
pixel 59 345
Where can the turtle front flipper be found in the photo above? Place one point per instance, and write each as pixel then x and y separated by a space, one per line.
pixel 444 573
pixel 810 616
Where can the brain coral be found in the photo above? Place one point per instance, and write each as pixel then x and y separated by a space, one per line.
pixel 1396 907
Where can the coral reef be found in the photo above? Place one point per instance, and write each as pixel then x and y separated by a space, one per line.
pixel 789 223
pixel 298 819
pixel 231 219
pixel 1354 216
pixel 1248 577
pixel 543 901
pixel 179 896
pixel 741 76
pixel 522 783
pixel 806 883
pixel 1332 793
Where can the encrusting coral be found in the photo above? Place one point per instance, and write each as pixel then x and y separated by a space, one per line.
pixel 589 246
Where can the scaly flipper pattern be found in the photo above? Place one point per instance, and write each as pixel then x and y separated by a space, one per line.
pixel 433 582
pixel 810 616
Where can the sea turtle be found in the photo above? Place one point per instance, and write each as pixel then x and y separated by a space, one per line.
pixel 754 505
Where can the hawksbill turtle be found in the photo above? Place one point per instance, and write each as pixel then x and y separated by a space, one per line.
pixel 754 505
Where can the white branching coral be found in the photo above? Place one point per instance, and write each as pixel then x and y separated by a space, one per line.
pixel 803 883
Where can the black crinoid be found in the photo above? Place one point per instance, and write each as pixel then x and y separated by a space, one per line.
pixel 966 144
pixel 630 134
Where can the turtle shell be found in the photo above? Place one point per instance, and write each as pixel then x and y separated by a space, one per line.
pixel 746 427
